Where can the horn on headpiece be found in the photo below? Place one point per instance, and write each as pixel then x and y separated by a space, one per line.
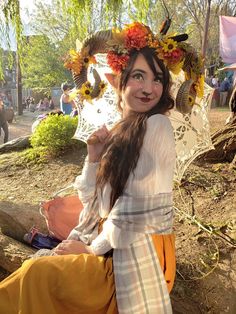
pixel 185 97
pixel 96 89
pixel 81 78
pixel 166 24
pixel 179 38
pixel 96 43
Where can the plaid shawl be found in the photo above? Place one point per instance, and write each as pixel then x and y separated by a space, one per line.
pixel 145 214
pixel 140 282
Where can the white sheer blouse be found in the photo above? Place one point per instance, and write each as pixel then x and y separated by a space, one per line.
pixel 153 174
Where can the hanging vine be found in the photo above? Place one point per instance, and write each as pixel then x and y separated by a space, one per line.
pixel 10 18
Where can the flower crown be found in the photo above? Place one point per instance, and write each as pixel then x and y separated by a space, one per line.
pixel 118 44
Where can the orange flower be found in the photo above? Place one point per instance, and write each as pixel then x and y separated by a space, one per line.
pixel 174 56
pixel 136 35
pixel 152 41
pixel 73 61
pixel 117 62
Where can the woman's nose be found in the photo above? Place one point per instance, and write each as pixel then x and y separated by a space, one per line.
pixel 146 94
pixel 147 88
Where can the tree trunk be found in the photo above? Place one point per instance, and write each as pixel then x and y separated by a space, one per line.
pixel 224 141
pixel 19 85
pixel 206 28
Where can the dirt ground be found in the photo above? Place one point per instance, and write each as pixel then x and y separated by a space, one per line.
pixel 206 261
pixel 21 125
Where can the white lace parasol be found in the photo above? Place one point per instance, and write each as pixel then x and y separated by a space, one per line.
pixel 192 134
pixel 101 111
pixel 192 131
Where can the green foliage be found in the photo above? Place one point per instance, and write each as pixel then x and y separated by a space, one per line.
pixel 33 156
pixel 55 134
pixel 6 62
pixel 142 8
pixel 1 65
pixel 11 13
pixel 43 66
pixel 9 16
pixel 80 15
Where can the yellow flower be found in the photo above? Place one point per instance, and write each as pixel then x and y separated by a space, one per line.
pixel 85 91
pixel 73 61
pixel 175 67
pixel 74 94
pixel 191 100
pixel 102 88
pixel 87 60
pixel 102 85
pixel 200 86
pixel 168 45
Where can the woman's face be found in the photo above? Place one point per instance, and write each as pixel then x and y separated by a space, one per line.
pixel 143 89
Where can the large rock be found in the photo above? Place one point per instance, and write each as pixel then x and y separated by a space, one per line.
pixel 13 253
pixel 16 144
pixel 11 227
pixel 14 224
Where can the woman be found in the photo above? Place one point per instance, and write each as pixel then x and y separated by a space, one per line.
pixel 66 104
pixel 145 133
pixel 115 260
pixel 3 122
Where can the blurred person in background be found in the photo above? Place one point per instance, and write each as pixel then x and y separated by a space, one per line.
pixel 3 122
pixel 66 104
pixel 224 88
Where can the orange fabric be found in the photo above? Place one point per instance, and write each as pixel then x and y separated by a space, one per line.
pixel 72 283
pixel 165 248
pixel 63 284
pixel 62 215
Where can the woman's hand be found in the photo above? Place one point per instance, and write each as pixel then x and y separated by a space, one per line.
pixel 71 247
pixel 96 143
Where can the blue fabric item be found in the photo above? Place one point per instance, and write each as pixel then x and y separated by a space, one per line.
pixel 39 240
pixel 224 86
pixel 66 108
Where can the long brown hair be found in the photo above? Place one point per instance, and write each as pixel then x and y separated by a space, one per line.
pixel 122 149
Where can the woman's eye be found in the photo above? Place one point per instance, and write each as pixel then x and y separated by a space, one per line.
pixel 138 76
pixel 158 79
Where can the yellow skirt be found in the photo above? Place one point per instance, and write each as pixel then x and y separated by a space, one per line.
pixel 73 284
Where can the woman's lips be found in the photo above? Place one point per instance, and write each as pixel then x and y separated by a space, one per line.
pixel 144 99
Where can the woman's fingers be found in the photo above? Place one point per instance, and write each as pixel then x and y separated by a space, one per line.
pixel 96 143
pixel 98 136
pixel 70 247
pixel 93 139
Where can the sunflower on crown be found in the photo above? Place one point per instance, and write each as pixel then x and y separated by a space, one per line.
pixel 75 60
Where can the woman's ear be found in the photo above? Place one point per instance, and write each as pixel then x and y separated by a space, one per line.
pixel 112 79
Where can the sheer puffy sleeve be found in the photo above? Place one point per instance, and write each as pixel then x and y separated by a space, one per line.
pixel 85 183
pixel 153 175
